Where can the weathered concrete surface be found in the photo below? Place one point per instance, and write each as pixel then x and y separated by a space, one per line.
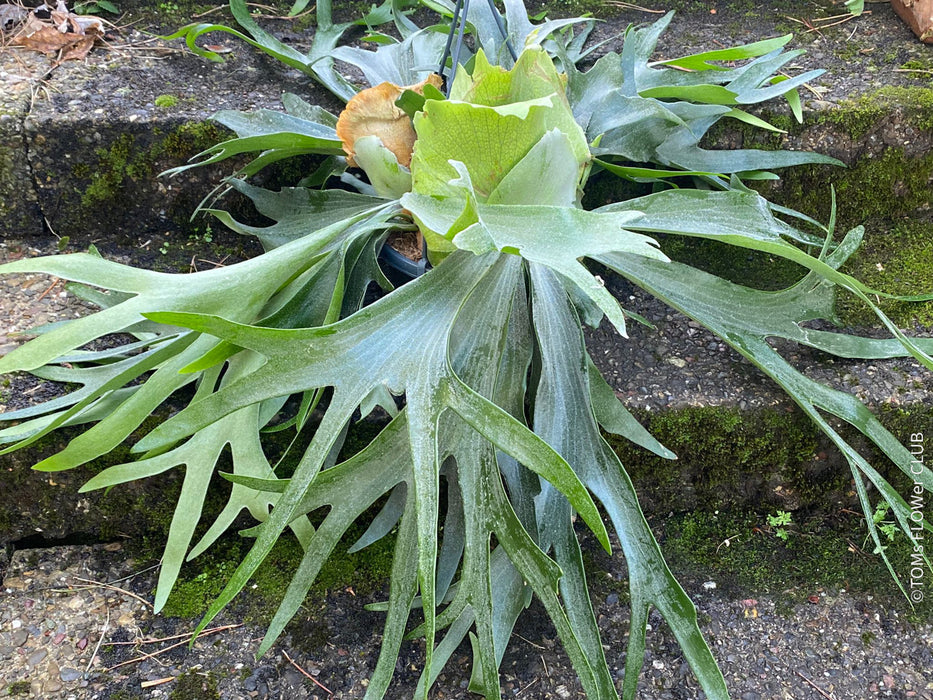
pixel 19 210
pixel 46 507
pixel 83 143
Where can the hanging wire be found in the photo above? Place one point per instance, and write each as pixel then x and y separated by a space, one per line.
pixel 457 29
pixel 450 37
pixel 502 30
pixel 455 58
pixel 452 50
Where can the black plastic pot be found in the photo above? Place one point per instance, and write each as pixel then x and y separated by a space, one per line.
pixel 401 269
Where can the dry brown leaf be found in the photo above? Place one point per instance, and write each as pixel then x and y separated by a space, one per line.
pixel 51 42
pixel 372 112
pixel 79 49
pixel 64 34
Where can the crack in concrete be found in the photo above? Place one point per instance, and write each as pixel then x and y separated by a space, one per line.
pixel 23 207
pixel 44 224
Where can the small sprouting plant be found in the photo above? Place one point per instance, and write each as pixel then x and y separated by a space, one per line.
pixel 93 7
pixel 881 519
pixel 779 522
pixel 887 527
pixel 207 235
pixel 856 7
pixel 477 153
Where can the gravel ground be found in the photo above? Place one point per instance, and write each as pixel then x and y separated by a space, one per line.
pixel 27 301
pixel 75 623
pixel 680 363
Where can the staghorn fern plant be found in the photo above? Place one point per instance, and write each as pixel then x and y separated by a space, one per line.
pixel 500 398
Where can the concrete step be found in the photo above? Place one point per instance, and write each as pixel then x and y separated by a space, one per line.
pixel 741 443
pixel 81 144
pixel 81 148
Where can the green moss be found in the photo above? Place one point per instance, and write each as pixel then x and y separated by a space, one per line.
pixel 124 695
pixel 188 139
pixel 114 165
pixel 193 685
pixel 166 101
pixel 202 581
pixel 751 268
pixel 176 11
pixel 768 459
pixel 860 115
pixel 896 261
pixel 728 456
pixel 918 64
pixel 133 158
pixel 576 8
pixel 18 688
pixel 830 552
pixel 710 507
pixel 888 186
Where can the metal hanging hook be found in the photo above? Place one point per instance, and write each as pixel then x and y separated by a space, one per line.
pixel 502 30
pixel 457 28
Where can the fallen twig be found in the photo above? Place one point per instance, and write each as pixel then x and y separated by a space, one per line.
pixel 268 8
pixel 146 656
pixel 818 24
pixel 214 263
pixel 630 6
pixel 528 641
pixel 816 687
pixel 103 633
pixel 809 87
pixel 138 642
pixel 307 675
pixel 913 70
pixel 52 286
pixel 526 687
pixel 96 584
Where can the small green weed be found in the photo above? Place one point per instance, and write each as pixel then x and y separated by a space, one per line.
pixel 778 521
pixel 93 7
pixel 18 688
pixel 887 527
pixel 207 236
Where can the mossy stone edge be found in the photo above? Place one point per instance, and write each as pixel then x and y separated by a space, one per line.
pixel 734 468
